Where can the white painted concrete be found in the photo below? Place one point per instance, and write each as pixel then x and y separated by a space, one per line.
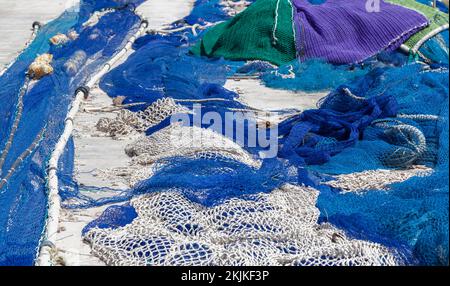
pixel 16 18
pixel 257 95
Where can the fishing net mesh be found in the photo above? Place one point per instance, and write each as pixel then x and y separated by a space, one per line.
pixel 176 141
pixel 435 17
pixel 197 204
pixel 127 122
pixel 262 32
pixel 279 228
pixel 23 194
pixel 376 179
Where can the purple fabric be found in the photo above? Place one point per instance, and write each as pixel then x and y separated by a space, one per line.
pixel 343 31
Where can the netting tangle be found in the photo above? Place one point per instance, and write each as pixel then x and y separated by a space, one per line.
pixel 414 212
pixel 312 137
pixel 361 180
pixel 41 114
pixel 339 32
pixel 318 75
pixel 186 142
pixel 279 228
pixel 177 141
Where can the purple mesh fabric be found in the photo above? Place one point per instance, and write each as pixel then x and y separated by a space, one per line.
pixel 342 31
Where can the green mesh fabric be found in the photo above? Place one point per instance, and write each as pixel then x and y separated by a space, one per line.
pixel 250 35
pixel 437 19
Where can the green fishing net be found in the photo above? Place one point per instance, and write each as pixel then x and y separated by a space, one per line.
pixel 255 34
pixel 437 19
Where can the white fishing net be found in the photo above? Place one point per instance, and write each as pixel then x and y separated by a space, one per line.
pixel 279 228
pixel 176 141
pixel 127 121
pixel 234 7
pixel 376 179
pixel 128 175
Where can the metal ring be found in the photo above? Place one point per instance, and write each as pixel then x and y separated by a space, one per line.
pixel 144 23
pixel 84 89
pixel 36 24
pixel 52 169
pixel 68 119
pixel 48 243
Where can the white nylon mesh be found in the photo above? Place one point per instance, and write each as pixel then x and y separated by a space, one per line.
pixel 376 179
pixel 279 228
pixel 127 122
pixel 176 141
pixel 130 175
pixel 234 7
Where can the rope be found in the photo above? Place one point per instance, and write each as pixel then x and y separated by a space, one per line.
pixel 413 147
pixel 350 94
pixel 15 125
pixel 46 254
pixel 419 117
pixel 114 108
pixel 430 35
pixel 274 36
pixel 22 157
pixel 193 29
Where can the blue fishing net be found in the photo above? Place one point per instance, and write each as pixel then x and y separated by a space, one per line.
pixel 211 181
pixel 427 92
pixel 96 5
pixel 385 106
pixel 206 181
pixel 436 49
pixel 318 75
pixel 360 126
pixel 415 212
pixel 312 137
pixel 23 198
pixel 207 11
pixel 113 217
pixel 167 72
pixel 170 71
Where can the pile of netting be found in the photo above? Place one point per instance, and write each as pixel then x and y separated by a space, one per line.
pixel 339 32
pixel 33 122
pixel 251 35
pixel 329 197
pixel 318 75
pixel 414 212
pixel 279 228
pixel 314 136
pixel 167 72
